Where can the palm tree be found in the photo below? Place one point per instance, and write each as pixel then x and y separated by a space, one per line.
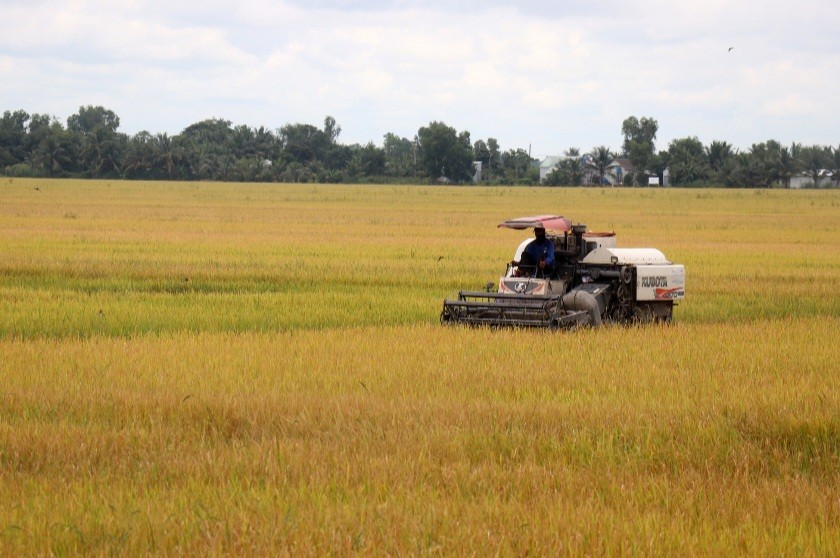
pixel 138 158
pixel 786 165
pixel 169 156
pixel 731 172
pixel 599 161
pixel 763 169
pixel 265 143
pixel 205 164
pixel 572 166
pixel 834 167
pixel 101 151
pixel 687 161
pixel 244 142
pixel 717 153
pixel 796 151
pixel 815 159
pixel 54 152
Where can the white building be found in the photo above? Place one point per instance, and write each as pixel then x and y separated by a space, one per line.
pixel 549 164
pixel 803 180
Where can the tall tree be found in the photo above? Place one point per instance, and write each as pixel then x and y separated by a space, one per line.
pixel 100 145
pixel 762 164
pixel 834 165
pixel 303 142
pixel 495 162
pixel 518 167
pixel 400 155
pixel 445 153
pixel 170 156
pixel 209 149
pixel 370 160
pixel 687 161
pixel 815 160
pixel 488 153
pixel 243 142
pixel 599 161
pixel 139 158
pixel 101 152
pixel 787 164
pixel 91 118
pixel 331 129
pixel 265 143
pixel 639 146
pixel 39 127
pixel 13 129
pixel 573 167
pixel 568 171
pixel 481 153
pixel 717 153
pixel 212 131
pixel 335 156
pixel 53 149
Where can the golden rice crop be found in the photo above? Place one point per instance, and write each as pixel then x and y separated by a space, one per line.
pixel 258 369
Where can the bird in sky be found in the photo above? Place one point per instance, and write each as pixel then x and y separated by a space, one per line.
pixel 730 49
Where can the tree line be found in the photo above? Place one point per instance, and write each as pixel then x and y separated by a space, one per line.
pixel 687 162
pixel 90 145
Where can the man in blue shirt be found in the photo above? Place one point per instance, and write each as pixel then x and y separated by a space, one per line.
pixel 539 254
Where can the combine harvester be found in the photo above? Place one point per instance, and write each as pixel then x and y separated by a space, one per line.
pixel 591 282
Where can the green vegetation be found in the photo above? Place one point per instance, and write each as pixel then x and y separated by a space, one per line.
pixel 91 146
pixel 210 368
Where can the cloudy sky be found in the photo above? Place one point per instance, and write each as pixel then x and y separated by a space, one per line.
pixel 539 73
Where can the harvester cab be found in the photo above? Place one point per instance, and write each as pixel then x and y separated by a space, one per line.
pixel 590 281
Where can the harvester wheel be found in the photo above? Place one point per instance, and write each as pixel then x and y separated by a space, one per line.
pixel 623 295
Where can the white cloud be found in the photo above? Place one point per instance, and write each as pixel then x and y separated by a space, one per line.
pixel 552 74
pixel 790 105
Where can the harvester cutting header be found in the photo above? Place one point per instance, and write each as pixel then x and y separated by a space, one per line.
pixel 567 276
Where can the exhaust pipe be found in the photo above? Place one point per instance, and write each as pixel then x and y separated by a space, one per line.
pixel 577 231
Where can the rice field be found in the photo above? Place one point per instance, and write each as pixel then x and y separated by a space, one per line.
pixel 205 369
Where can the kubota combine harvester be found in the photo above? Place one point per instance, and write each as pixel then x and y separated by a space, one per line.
pixel 589 282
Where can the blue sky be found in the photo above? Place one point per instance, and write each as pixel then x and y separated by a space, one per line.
pixel 549 75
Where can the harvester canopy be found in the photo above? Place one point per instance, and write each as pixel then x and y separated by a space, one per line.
pixel 548 222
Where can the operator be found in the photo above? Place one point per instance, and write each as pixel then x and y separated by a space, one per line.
pixel 539 253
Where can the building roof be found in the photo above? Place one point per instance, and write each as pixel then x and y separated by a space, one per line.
pixel 624 163
pixel 551 161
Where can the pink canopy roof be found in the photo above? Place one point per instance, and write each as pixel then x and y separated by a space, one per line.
pixel 552 222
